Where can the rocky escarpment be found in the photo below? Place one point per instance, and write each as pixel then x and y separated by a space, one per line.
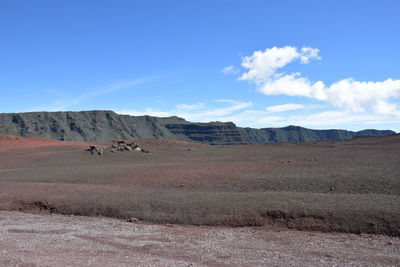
pixel 215 133
pixel 96 125
pixel 300 134
pixel 103 126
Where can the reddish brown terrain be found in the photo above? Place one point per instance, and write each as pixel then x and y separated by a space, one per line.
pixel 349 186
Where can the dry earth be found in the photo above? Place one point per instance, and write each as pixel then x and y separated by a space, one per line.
pixel 350 186
pixel 333 187
pixel 58 240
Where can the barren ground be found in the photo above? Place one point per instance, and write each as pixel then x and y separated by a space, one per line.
pixel 349 187
pixel 58 240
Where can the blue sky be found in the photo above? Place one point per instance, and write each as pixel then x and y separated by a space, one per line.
pixel 318 64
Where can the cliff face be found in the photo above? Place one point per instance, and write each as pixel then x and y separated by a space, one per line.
pixel 215 133
pixel 103 126
pixel 84 126
pixel 300 134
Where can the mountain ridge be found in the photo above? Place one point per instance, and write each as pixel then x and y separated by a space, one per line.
pixel 106 125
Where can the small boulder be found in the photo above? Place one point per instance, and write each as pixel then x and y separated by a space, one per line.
pixel 92 149
pixel 132 219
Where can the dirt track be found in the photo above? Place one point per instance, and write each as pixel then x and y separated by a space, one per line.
pixel 57 240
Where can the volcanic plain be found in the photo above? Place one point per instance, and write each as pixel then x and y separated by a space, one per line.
pixel 346 186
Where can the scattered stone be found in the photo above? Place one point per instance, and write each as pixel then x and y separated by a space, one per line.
pixel 310 159
pixel 132 219
pixel 92 149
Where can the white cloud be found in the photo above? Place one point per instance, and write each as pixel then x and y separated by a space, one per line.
pixel 344 120
pixel 230 70
pixel 253 118
pixel 294 85
pixel 347 94
pixel 263 65
pixel 242 114
pixel 308 53
pixel 332 119
pixel 198 112
pixel 234 106
pixel 190 106
pixel 359 96
pixel 384 108
pixel 284 107
pixel 212 114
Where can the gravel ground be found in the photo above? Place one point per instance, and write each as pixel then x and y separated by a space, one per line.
pixel 59 240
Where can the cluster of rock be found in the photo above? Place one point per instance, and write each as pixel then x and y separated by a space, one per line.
pixel 117 145
pixel 94 150
pixel 122 145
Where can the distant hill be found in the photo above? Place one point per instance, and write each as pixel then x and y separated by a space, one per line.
pixel 104 125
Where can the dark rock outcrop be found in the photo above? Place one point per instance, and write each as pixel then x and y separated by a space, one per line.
pixel 104 126
pixel 215 133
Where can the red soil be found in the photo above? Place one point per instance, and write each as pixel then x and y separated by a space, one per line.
pixel 19 142
pixel 350 186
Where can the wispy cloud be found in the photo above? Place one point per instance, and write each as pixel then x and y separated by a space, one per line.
pixel 284 107
pixel 196 112
pixel 319 120
pixel 65 103
pixel 230 70
pixel 243 114
pixel 190 106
